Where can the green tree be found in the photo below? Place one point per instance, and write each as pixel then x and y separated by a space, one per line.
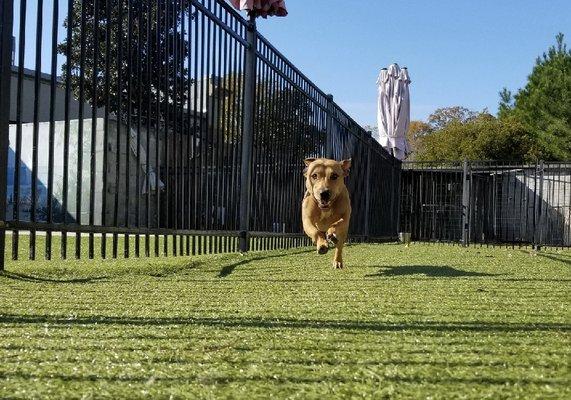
pixel 287 122
pixel 444 116
pixel 417 130
pixel 484 137
pixel 127 55
pixel 544 104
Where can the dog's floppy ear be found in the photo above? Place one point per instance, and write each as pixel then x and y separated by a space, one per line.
pixel 307 161
pixel 346 165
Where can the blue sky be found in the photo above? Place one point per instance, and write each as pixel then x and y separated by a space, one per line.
pixel 458 52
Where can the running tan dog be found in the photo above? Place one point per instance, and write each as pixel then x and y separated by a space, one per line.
pixel 326 207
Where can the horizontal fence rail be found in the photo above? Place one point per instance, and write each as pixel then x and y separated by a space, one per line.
pixel 487 202
pixel 147 128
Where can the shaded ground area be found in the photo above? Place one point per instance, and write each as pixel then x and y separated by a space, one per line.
pixel 425 321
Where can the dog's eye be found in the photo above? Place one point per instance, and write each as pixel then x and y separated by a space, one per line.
pixel 314 176
pixel 334 176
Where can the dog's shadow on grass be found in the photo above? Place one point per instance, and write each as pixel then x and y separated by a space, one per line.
pixel 437 271
pixel 229 269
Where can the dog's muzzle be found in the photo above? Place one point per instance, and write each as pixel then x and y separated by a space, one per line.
pixel 324 199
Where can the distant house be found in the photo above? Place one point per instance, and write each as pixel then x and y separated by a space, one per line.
pixel 28 96
pixel 199 126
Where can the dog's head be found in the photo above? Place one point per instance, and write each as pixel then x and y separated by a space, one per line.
pixel 324 179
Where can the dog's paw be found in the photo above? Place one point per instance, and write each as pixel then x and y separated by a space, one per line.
pixel 322 249
pixel 337 264
pixel 332 238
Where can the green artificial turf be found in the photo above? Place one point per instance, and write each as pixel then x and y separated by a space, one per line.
pixel 428 321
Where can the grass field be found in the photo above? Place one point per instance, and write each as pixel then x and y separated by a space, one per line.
pixel 420 322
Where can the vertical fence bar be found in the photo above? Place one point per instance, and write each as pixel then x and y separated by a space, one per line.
pixel 207 78
pixel 139 88
pixel 129 120
pixel 247 134
pixel 157 46
pixel 175 131
pixel 119 121
pixel 329 128
pixel 79 169
pixel 66 134
pixel 166 98
pixel 36 129
pixel 188 127
pixel 107 87
pixel 19 107
pixel 465 204
pixel 539 208
pixel 395 191
pixel 148 125
pixel 6 18
pixel 198 95
pixel 53 85
pixel 368 187
pixel 93 160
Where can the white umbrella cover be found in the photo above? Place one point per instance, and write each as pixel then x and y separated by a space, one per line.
pixel 402 113
pixel 393 109
pixel 394 71
pixel 383 106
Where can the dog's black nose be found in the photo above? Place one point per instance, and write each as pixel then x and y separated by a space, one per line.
pixel 325 195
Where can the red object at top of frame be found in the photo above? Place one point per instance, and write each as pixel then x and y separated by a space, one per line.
pixel 263 8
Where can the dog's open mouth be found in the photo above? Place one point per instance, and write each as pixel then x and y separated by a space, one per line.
pixel 324 205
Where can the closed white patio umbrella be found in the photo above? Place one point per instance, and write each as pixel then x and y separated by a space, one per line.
pixel 393 110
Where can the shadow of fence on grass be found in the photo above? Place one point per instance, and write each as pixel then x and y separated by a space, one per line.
pixel 288 323
pixel 155 271
pixel 284 378
pixel 43 279
pixel 229 269
pixel 556 257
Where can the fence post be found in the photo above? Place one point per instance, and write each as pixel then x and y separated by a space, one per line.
pixel 248 134
pixel 368 187
pixel 538 229
pixel 394 200
pixel 329 128
pixel 396 191
pixel 6 16
pixel 465 205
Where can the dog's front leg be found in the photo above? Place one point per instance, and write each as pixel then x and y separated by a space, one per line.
pixel 332 235
pixel 338 257
pixel 337 234
pixel 316 236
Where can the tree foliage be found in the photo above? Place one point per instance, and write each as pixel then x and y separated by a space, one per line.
pixel 417 130
pixel 484 137
pixel 544 104
pixel 441 117
pixel 286 121
pixel 128 55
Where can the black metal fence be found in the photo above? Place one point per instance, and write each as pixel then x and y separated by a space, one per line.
pixel 487 202
pixel 165 127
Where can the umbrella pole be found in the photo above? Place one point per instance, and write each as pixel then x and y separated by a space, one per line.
pixel 247 134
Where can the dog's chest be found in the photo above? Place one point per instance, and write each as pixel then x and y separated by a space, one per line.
pixel 326 218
